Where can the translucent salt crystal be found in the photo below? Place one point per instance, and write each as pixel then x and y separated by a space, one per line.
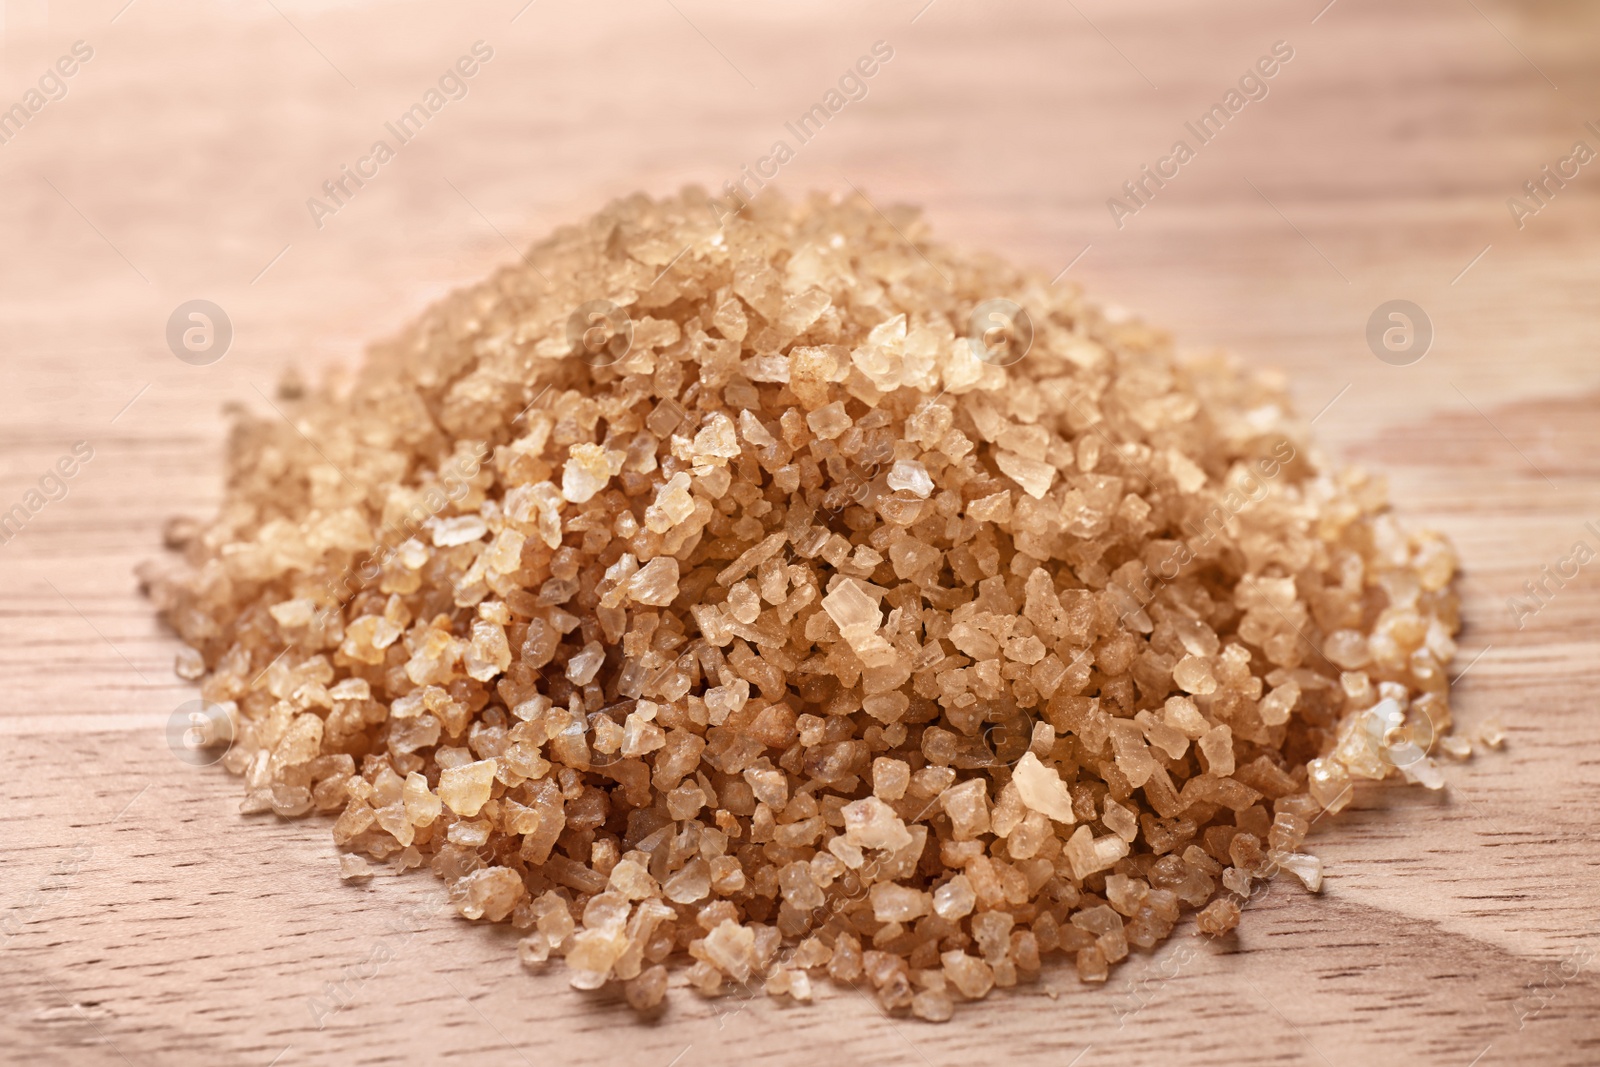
pixel 534 949
pixel 727 875
pixel 290 614
pixel 969 974
pixel 770 786
pixel 802 309
pixel 967 805
pixel 351 822
pixel 353 868
pixel 585 663
pixel 1304 867
pixel 505 552
pixel 1197 638
pixel 911 475
pixel 890 778
pixel 881 358
pixel 648 989
pixel 1347 648
pixel 743 603
pixel 725 700
pixel 1042 789
pixel 829 421
pixel 1288 830
pixel 1217 747
pixel 1424 771
pixel 516 819
pixel 488 653
pixel 1380 727
pixel 731 948
pixel 1456 747
pixel 992 931
pixel 1088 854
pixel 685 802
pixel 1125 894
pixel 553 917
pixel 656 583
pixel 751 429
pixel 606 910
pixel 716 438
pixel 673 504
pixel 468 832
pixel 490 893
pixel 767 367
pixel 392 818
pixel 1120 821
pixel 1182 715
pixel 301 743
pixel 1033 475
pixel 351 689
pixel 1237 881
pixel 1218 918
pixel 935 1006
pixel 459 531
pixel 886 707
pixel 641 736
pixel 1277 705
pixel 1033 442
pixel 955 899
pixel 465 789
pixel 799 889
pixel 974 640
pixel 777 984
pixel 1133 756
pixel 1193 675
pixel 588 469
pixel 631 880
pixel 1168 738
pixel 897 903
pixel 800 985
pixel 1329 784
pixel 412 554
pixel 690 884
pixel 847 853
pixel 853 611
pixel 752 558
pixel 870 823
pixel 593 953
pixel 1188 475
pixel 1491 733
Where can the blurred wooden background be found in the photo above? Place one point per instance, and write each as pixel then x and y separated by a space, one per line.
pixel 142 921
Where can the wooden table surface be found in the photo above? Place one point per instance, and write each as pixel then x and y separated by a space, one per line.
pixel 143 921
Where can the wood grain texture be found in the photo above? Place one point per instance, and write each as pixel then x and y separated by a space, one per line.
pixel 142 921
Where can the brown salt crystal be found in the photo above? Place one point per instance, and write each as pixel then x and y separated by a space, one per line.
pixel 897 903
pixel 800 618
pixel 1042 789
pixel 1219 917
pixel 490 893
pixel 1217 747
pixel 1491 733
pixel 353 868
pixel 933 1005
pixel 465 789
pixel 648 990
pixel 890 778
pixel 955 899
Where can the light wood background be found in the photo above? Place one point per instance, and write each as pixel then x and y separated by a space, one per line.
pixel 143 921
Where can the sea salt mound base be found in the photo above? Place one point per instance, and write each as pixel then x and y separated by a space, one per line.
pixel 745 603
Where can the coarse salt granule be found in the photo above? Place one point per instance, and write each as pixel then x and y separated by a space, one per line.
pixel 795 635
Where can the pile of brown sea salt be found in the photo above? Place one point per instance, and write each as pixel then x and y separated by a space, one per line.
pixel 736 598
